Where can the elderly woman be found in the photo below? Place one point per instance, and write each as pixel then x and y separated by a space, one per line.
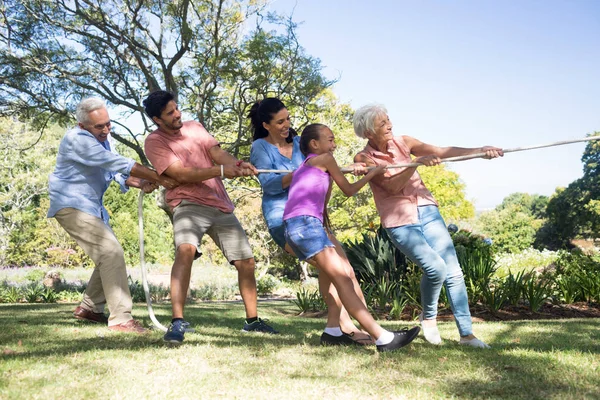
pixel 410 215
pixel 276 146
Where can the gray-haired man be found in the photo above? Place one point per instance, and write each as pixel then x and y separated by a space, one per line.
pixel 85 166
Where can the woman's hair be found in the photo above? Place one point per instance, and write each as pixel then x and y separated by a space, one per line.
pixel 86 106
pixel 156 102
pixel 263 111
pixel 364 118
pixel 312 131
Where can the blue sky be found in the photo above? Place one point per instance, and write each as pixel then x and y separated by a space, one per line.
pixel 469 73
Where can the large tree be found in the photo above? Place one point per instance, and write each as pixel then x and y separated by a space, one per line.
pixel 574 211
pixel 217 56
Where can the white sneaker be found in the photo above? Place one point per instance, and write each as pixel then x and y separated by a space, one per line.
pixel 474 343
pixel 431 333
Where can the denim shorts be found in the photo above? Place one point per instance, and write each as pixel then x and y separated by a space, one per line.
pixel 306 236
pixel 278 234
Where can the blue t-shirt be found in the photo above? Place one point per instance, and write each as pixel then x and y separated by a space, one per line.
pixel 264 155
pixel 84 169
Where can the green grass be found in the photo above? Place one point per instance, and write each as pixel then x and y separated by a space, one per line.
pixel 46 354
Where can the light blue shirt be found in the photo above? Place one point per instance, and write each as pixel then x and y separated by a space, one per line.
pixel 84 169
pixel 264 155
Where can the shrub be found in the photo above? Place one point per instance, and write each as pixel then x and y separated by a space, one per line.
pixel 478 266
pixel 33 293
pixel 307 301
pixel 266 284
pixel 513 286
pixel 35 275
pixel 536 291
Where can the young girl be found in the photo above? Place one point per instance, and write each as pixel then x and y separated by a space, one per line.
pixel 276 146
pixel 305 233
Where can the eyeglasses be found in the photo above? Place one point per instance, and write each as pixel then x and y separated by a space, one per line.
pixel 101 127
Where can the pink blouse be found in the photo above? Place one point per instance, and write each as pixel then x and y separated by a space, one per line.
pixel 400 208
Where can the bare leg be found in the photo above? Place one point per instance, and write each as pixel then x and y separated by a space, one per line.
pixel 180 277
pixel 247 284
pixel 329 262
pixel 337 316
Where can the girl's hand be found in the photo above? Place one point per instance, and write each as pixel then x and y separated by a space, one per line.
pixel 359 169
pixel 492 152
pixel 429 161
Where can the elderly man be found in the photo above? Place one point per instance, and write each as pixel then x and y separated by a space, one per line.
pixel 85 166
pixel 185 151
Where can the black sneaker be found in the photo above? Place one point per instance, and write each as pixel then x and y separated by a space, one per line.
pixel 260 325
pixel 344 340
pixel 401 339
pixel 175 333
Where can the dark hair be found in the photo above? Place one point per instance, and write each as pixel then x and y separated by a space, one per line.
pixel 263 111
pixel 312 131
pixel 156 102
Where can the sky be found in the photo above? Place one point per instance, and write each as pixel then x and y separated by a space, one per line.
pixel 469 73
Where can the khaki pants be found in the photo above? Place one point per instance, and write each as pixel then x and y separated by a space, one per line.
pixel 108 284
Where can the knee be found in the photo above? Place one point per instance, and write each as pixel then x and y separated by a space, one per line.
pixel 115 254
pixel 245 266
pixel 185 254
pixel 436 273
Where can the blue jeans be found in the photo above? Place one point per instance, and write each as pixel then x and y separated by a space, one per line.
pixel 429 245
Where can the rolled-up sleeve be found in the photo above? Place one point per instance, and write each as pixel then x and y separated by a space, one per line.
pixel 88 151
pixel 261 159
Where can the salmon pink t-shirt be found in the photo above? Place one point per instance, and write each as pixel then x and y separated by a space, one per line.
pixel 400 208
pixel 191 146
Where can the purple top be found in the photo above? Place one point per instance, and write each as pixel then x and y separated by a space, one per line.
pixel 307 192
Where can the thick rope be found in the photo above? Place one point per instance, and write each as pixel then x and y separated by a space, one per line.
pixel 453 159
pixel 157 324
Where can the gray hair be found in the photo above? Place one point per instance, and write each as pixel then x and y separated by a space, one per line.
pixel 86 106
pixel 364 118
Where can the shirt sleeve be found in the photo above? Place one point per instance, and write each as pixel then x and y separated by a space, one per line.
pixel 260 158
pixel 120 179
pixel 159 154
pixel 88 151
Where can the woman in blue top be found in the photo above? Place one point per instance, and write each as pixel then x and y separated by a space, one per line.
pixel 277 146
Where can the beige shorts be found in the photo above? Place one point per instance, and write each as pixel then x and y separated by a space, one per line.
pixel 191 221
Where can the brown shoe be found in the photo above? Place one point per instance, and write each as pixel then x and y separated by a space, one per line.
pixel 131 326
pixel 90 316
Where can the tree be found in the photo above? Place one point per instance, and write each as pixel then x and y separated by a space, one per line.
pixel 574 211
pixel 54 52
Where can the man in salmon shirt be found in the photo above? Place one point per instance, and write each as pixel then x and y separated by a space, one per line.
pixel 186 152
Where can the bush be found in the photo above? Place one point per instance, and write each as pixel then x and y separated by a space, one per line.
pixel 308 301
pixel 266 284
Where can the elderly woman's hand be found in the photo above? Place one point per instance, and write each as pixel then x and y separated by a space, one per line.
pixel 429 161
pixel 492 152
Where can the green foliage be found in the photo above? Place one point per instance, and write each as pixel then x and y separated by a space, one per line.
pixel 215 291
pixel 576 269
pixel 513 286
pixel 35 275
pixel 574 211
pixel 449 191
pixel 376 257
pixel 309 301
pixel 478 267
pixel 536 290
pixel 33 293
pixel 494 297
pixel 266 284
pixel 511 229
pixel 12 294
pixel 526 260
pixel 49 295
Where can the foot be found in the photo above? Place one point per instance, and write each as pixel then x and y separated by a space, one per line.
pixel 430 330
pixel 90 316
pixel 176 332
pixel 401 339
pixel 131 326
pixel 260 325
pixel 347 339
pixel 473 342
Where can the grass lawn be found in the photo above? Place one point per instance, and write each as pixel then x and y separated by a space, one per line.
pixel 46 354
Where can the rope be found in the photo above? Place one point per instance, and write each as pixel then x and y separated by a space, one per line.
pixel 157 324
pixel 453 159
